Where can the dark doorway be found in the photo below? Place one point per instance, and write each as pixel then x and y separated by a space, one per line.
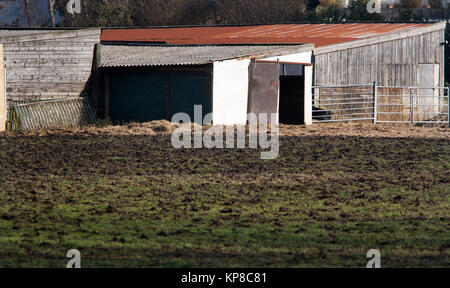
pixel 292 100
pixel 137 96
pixel 146 94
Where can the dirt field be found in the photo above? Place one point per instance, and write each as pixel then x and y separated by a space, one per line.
pixel 125 198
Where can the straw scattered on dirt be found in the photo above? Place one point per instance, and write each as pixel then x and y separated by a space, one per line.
pixel 340 129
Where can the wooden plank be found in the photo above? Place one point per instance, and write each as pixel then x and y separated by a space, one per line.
pixel 284 62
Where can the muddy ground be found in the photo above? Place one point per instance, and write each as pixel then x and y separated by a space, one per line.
pixel 125 198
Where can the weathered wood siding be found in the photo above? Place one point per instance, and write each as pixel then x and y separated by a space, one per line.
pixel 392 63
pixel 2 93
pixel 50 65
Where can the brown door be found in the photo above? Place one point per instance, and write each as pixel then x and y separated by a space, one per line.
pixel 264 88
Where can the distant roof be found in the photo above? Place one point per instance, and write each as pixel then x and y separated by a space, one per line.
pixel 318 34
pixel 129 55
pixel 25 35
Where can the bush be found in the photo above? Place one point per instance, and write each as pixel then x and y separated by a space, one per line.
pixel 437 4
pixel 171 12
pixel 115 14
pixel 411 3
pixel 260 11
pixel 328 3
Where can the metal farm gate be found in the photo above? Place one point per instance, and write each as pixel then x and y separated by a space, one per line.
pixel 381 104
pixel 419 105
pixel 343 103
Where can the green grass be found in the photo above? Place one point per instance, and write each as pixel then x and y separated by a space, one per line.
pixel 133 201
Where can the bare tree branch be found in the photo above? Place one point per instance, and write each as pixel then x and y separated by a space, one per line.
pixel 51 10
pixel 26 9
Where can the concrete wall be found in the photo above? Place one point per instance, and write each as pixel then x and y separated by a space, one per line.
pixel 48 64
pixel 230 92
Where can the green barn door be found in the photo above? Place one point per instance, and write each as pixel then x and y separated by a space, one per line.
pixel 188 90
pixel 136 96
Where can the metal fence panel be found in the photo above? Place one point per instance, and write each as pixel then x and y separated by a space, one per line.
pixel 343 103
pixel 50 114
pixel 381 104
pixel 417 105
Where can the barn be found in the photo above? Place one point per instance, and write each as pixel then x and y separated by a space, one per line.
pixel 144 74
pixel 350 53
pixel 150 82
pixel 345 58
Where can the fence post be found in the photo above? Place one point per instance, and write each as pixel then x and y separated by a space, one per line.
pixel 375 102
pixel 448 106
pixel 411 103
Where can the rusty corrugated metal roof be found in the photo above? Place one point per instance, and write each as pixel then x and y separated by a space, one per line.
pixel 128 55
pixel 318 34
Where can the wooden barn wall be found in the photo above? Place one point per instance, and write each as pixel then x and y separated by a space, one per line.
pixel 49 66
pixel 392 63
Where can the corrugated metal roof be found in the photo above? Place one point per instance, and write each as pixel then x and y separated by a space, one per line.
pixel 318 34
pixel 126 55
pixel 18 36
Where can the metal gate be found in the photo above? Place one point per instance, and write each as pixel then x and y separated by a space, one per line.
pixel 343 103
pixel 419 105
pixel 50 114
pixel 381 104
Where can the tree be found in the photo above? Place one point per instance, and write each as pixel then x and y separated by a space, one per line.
pixel 26 9
pixel 330 13
pixel 312 4
pixel 358 11
pixel 135 12
pixel 260 11
pixel 28 13
pixel 171 12
pixel 407 15
pixel 436 4
pixel 90 13
pixel 328 3
pixel 162 12
pixel 51 12
pixel 115 13
pixel 411 3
